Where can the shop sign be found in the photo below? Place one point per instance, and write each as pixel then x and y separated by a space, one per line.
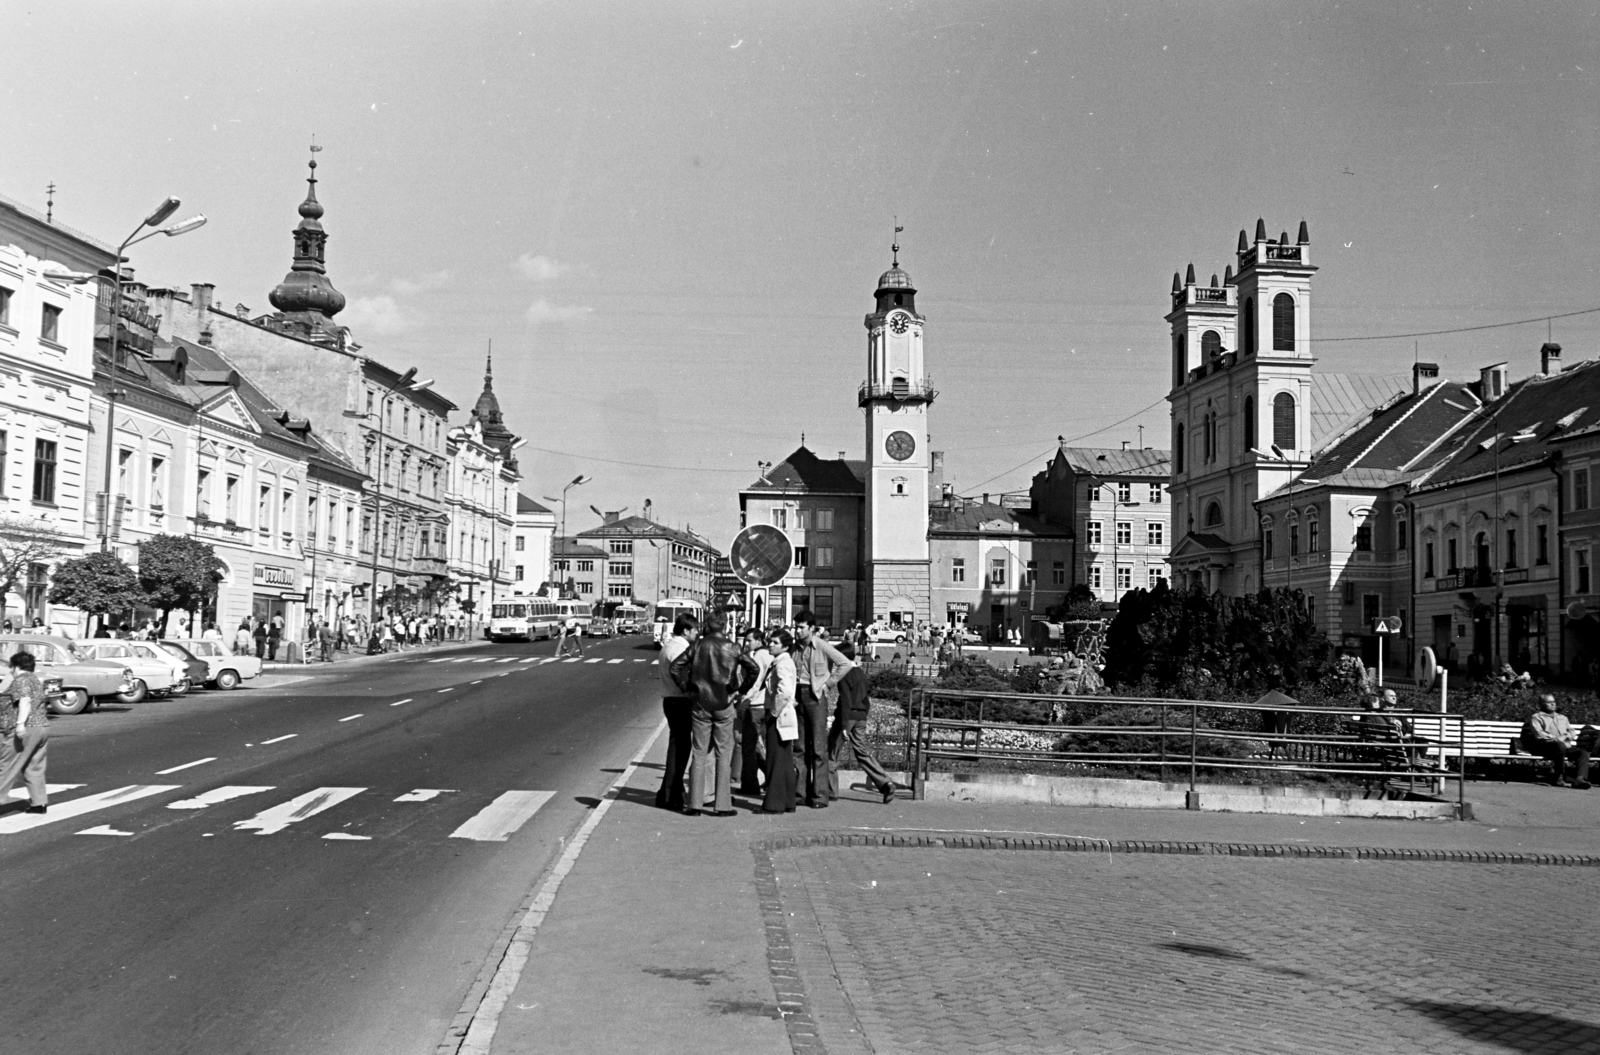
pixel 273 576
pixel 1514 575
pixel 957 606
pixel 1446 582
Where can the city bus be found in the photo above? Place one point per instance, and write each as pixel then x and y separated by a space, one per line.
pixel 510 621
pixel 629 619
pixel 665 612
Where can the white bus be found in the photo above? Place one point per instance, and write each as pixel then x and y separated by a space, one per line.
pixel 629 619
pixel 510 621
pixel 665 612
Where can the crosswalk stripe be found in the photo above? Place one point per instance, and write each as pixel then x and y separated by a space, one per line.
pixel 508 659
pixel 572 659
pixel 49 789
pixel 346 837
pixel 638 661
pixel 216 795
pixel 529 659
pixel 591 661
pixel 21 822
pixel 547 659
pixel 485 659
pixel 425 794
pixel 298 808
pixel 496 821
pixel 611 661
pixel 441 659
pixel 462 659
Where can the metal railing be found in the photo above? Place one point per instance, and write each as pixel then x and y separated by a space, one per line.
pixel 1156 735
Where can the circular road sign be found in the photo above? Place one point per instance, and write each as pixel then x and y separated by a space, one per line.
pixel 761 555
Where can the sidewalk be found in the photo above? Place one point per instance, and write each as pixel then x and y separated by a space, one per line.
pixel 349 659
pixel 687 934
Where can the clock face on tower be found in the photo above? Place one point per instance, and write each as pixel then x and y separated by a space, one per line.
pixel 899 322
pixel 900 445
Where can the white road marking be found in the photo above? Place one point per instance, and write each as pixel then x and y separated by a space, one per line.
pixel 462 659
pixel 298 808
pixel 397 703
pixel 445 659
pixel 547 659
pixel 611 661
pixel 638 661
pixel 485 659
pixel 186 765
pixel 104 829
pixel 216 795
pixel 21 822
pixel 279 739
pixel 531 659
pixel 478 682
pixel 49 789
pixel 655 663
pixel 352 718
pixel 573 659
pixel 591 661
pixel 342 837
pixel 496 821
pixel 508 659
pixel 448 688
pixel 425 794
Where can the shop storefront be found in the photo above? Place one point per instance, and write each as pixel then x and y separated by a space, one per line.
pixel 275 591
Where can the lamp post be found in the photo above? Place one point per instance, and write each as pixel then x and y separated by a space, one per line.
pixel 404 382
pixel 160 215
pixel 576 480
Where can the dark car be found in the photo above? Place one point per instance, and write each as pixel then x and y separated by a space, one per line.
pixel 199 672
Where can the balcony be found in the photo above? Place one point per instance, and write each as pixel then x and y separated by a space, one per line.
pixel 1204 296
pixel 899 389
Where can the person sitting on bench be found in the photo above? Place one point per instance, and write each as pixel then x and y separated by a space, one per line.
pixel 1548 734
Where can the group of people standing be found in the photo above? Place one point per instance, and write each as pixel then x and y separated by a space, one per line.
pixel 787 703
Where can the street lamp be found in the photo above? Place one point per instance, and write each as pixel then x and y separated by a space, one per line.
pixel 576 480
pixel 159 216
pixel 405 383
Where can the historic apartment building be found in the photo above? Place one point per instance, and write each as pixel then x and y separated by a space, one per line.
pixel 533 530
pixel 1116 505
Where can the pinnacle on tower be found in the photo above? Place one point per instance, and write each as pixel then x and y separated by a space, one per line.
pixel 1305 235
pixel 1244 246
pixel 1188 278
pixel 1261 229
pixel 1283 237
pixel 1177 283
pixel 1213 280
pixel 1227 272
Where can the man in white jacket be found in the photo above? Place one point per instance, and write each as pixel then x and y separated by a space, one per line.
pixel 679 708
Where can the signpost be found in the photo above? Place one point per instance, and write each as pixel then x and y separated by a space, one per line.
pixel 1383 627
pixel 761 555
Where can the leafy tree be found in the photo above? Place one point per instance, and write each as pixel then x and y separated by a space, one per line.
pixel 98 584
pixel 436 591
pixel 179 573
pixel 25 542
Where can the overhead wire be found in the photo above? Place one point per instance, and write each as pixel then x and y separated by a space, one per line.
pixel 1459 329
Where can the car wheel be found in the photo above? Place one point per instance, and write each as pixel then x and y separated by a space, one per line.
pixel 136 694
pixel 179 688
pixel 228 679
pixel 900 640
pixel 73 701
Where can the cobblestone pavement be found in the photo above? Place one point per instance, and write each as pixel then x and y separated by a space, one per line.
pixel 944 950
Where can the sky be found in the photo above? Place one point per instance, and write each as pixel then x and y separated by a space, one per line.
pixel 669 218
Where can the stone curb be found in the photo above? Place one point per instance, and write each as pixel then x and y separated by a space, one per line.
pixel 763 848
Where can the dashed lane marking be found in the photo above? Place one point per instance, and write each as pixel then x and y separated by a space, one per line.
pixel 638 661
pixel 352 718
pixel 448 688
pixel 343 837
pixel 397 703
pixel 186 765
pixel 531 659
pixel 21 822
pixel 279 739
pixel 279 817
pixel 104 829
pixel 508 659
pixel 573 659
pixel 442 659
pixel 425 794
pixel 216 795
pixel 592 661
pixel 496 821
pixel 484 659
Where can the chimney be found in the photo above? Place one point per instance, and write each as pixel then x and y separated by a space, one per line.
pixel 200 296
pixel 1492 382
pixel 842 455
pixel 948 493
pixel 1550 359
pixel 1423 372
pixel 1124 444
pixel 986 498
pixel 936 471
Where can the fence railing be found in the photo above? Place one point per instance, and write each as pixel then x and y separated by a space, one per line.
pixel 1160 736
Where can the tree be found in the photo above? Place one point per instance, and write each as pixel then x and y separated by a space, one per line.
pixel 97 584
pixel 25 543
pixel 176 572
pixel 436 591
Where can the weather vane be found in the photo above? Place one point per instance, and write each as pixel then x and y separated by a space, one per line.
pixel 896 243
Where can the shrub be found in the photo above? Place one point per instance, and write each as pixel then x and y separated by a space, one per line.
pixel 890 684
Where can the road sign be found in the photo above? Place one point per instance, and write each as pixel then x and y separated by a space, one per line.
pixel 761 555
pixel 1389 624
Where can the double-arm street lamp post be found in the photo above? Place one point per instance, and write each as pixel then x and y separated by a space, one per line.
pixel 404 383
pixel 160 215
pixel 576 480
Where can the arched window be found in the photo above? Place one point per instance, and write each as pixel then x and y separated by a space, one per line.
pixel 1283 424
pixel 1177 448
pixel 1249 422
pixel 1210 345
pixel 1213 515
pixel 1248 345
pixel 1283 323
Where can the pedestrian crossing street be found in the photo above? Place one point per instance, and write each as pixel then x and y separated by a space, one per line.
pixel 340 808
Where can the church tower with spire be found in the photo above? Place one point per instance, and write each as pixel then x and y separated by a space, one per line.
pixel 305 299
pixel 486 413
pixel 895 399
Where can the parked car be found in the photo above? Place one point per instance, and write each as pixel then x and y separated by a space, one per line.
pixel 965 635
pixel 197 670
pixel 225 670
pixel 598 627
pixel 155 673
pixel 82 680
pixel 883 634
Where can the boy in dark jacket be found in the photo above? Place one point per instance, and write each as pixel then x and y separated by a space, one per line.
pixel 850 727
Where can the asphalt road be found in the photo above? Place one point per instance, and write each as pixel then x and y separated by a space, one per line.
pixel 292 912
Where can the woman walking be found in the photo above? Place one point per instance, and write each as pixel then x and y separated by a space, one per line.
pixel 783 727
pixel 23 745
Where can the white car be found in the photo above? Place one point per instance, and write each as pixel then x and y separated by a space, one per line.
pixel 154 671
pixel 885 635
pixel 227 669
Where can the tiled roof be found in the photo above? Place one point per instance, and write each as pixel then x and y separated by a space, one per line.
pixel 528 505
pixel 1107 461
pixel 969 517
pixel 641 527
pixel 1339 400
pixel 804 471
pixel 1396 435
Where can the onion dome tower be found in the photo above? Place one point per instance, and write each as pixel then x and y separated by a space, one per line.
pixel 305 296
pixel 486 412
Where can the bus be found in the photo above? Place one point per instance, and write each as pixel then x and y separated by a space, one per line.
pixel 535 618
pixel 510 621
pixel 663 613
pixel 629 619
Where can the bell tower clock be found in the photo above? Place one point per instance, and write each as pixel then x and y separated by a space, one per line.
pixel 895 400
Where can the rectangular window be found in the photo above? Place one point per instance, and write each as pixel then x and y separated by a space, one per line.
pixel 1030 573
pixel 616 589
pixel 619 546
pixel 1152 578
pixel 1402 535
pixel 311 518
pixel 1313 536
pixel 801 557
pixel 5 307
pixel 1580 571
pixel 1541 531
pixel 1266 543
pixel 1349 593
pixel 619 567
pixel 522 544
pixel 366 532
pixel 1311 607
pixel 586 565
pixel 824 520
pixel 1093 494
pixel 333 522
pixel 1124 492
pixel 158 487
pixel 1124 577
pixel 822 607
pixel 1155 494
pixel 1450 562
pixel 1511 547
pixel 997 571
pixel 802 519
pixel 3 450
pixel 202 493
pixel 1427 560
pixel 349 530
pixel 1091 532
pixel 124 459
pixel 1154 531
pixel 286 513
pixel 1364 538
pixel 585 585
pixel 231 499
pixel 44 470
pixel 263 514
pixel 780 519
pixel 1124 532
pixel 824 556
pixel 1294 540
pixel 521 576
pixel 1094 576
pixel 1580 489
pixel 50 324
pixel 1058 573
pixel 1369 609
pixel 958 569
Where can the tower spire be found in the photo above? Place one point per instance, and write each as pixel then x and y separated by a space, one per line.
pixel 305 294
pixel 895 245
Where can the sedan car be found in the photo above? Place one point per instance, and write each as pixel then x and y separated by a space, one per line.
pixel 598 627
pixel 197 670
pixel 883 634
pixel 155 673
pixel 226 670
pixel 82 680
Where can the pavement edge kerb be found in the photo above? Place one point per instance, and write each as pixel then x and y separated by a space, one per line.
pixel 472 1031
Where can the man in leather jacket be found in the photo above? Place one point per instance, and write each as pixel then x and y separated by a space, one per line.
pixel 717 674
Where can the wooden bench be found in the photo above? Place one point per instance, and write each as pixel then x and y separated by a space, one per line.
pixel 1498 741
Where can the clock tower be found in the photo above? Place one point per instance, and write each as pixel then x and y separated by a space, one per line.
pixel 895 400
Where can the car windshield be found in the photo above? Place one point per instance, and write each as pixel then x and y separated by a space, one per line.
pixel 98 650
pixel 43 651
